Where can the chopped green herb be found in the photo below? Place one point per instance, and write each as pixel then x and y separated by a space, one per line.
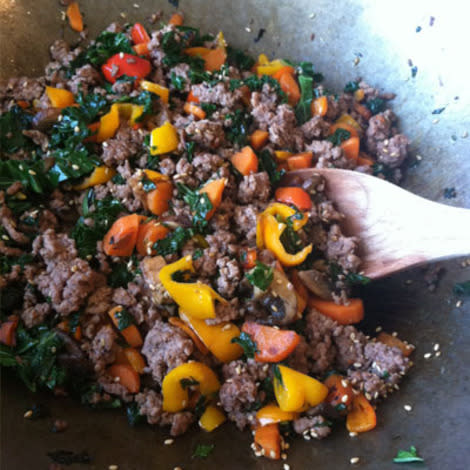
pixel 118 179
pixel 147 184
pixel 124 319
pixel 186 383
pixel 203 450
pixel 239 59
pixel 12 125
pixel 351 87
pixel 31 174
pixel 260 276
pixel 199 203
pixel 173 242
pixel 248 345
pixel 303 110
pixel 277 375
pixel 209 109
pixel 198 253
pixel 462 288
pixel 268 164
pixel 407 456
pixel 189 147
pixel 375 105
pixel 438 110
pixel 339 136
pixel 120 275
pixel 307 69
pixel 335 270
pixel 384 170
pixel 240 122
pixel 133 414
pixel 177 81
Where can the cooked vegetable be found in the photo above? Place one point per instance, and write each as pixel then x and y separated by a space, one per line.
pixel 408 456
pixel 320 106
pixel 273 345
pixel 245 161
pixel 59 97
pixel 159 198
pixel 126 376
pixel 176 19
pixel 189 331
pixel 214 190
pixel 271 413
pixel 149 232
pixel 259 139
pixel 217 338
pixel 351 148
pixel 109 124
pixel 155 88
pixel 289 87
pixel 350 123
pixel 361 415
pixel 394 342
pixel 340 392
pixel 316 282
pixel 194 298
pixel 8 331
pixel 175 394
pixel 100 175
pixel 268 438
pixel 297 197
pixel 125 64
pixel 348 314
pixel 163 139
pixel 296 391
pixel 196 111
pixel 124 322
pixel 75 17
pixel 212 418
pixel 135 359
pixel 248 258
pixel 261 276
pixel 138 34
pixel 122 236
pixel 300 161
pixel 247 344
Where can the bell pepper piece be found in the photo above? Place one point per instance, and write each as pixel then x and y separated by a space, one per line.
pixel 8 331
pixel 268 438
pixel 340 392
pixel 135 359
pixel 161 91
pixel 285 211
pixel 109 124
pixel 352 312
pixel 75 17
pixel 214 190
pixel 138 34
pixel 272 231
pixel 349 120
pixel 149 233
pixel 126 375
pixel 125 64
pixel 194 298
pixel 296 391
pixel 214 60
pixel 282 154
pixel 158 199
pixel 263 59
pixel 271 413
pixel 100 175
pixel 163 139
pixel 217 338
pixel 212 418
pixel 361 416
pixel 271 67
pixel 131 334
pixel 175 384
pixel 59 97
pixel 122 236
pixel 182 325
pixel 197 51
pixel 319 106
pixel 294 196
pixel 176 19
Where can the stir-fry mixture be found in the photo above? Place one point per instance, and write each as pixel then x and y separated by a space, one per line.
pixel 153 256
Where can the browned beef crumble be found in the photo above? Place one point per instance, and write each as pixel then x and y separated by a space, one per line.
pixel 61 284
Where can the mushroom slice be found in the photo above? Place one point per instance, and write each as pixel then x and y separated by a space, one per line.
pixel 316 282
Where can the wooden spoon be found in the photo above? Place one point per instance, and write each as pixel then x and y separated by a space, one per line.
pixel 396 228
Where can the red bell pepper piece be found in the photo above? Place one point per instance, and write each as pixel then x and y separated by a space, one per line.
pixel 139 35
pixel 125 64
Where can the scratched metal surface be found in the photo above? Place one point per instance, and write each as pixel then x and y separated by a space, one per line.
pixel 383 36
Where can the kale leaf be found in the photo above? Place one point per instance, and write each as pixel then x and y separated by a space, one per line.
pixel 407 456
pixel 268 164
pixel 351 87
pixel 199 203
pixel 375 105
pixel 30 173
pixel 237 58
pixel 260 276
pixel 203 451
pixel 240 122
pixel 124 319
pixel 303 110
pixel 12 125
pixel 339 136
pixel 173 242
pixel 248 345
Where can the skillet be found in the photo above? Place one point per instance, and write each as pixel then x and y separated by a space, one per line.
pixel 382 42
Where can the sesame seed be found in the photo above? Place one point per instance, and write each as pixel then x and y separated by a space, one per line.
pixel 378 329
pixel 168 442
pixel 248 29
pixel 344 398
pixel 113 467
pixel 177 468
pixel 368 396
pixel 122 14
pixel 438 354
pixel 435 121
pixel 283 456
pixel 272 454
pixel 436 347
pixel 427 355
pixel 105 144
pixel 407 408
pixel 28 414
pixel 352 434
pixel 136 5
pixel 459 304
pixel 307 437
pixel 357 364
pixel 286 466
pixel 395 334
pixel 344 383
pixel 226 327
pixel 53 350
pixel 5 237
pixel 354 460
pixel 312 15
pixel 419 157
pixel 75 167
pixel 31 172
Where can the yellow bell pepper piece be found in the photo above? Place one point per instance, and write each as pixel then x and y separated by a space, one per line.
pixel 129 111
pixel 271 67
pixel 359 95
pixel 194 298
pixel 272 231
pixel 59 97
pixel 283 154
pixel 161 91
pixel 217 338
pixel 174 391
pixel 109 124
pixel 221 43
pixel 271 413
pixel 212 418
pixel 155 175
pixel 347 119
pixel 163 139
pixel 284 211
pixel 263 59
pixel 100 175
pixel 297 392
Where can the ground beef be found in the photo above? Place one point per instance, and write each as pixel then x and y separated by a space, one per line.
pixel 205 164
pixel 327 155
pixel 127 143
pixel 380 129
pixel 22 88
pixel 102 349
pixel 150 405
pixel 182 71
pixel 207 133
pixel 60 52
pixel 393 151
pixel 34 312
pixel 283 130
pixel 254 187
pixel 315 128
pixel 66 280
pixel 239 392
pixel 263 107
pixel 316 427
pixel 218 94
pixel 245 222
pixel 229 276
pixel 84 78
pixel 167 166
pixel 179 422
pixel 342 249
pixel 165 348
pixel 109 385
